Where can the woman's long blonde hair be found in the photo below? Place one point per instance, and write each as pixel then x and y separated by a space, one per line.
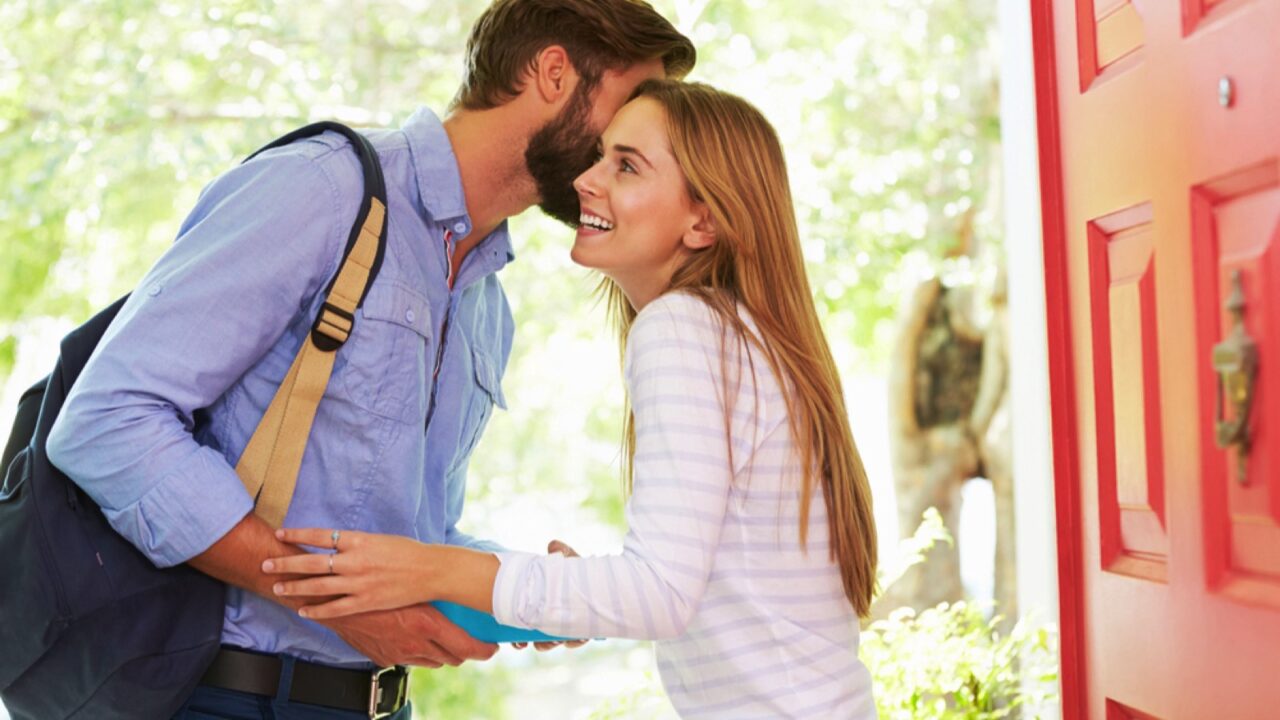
pixel 733 162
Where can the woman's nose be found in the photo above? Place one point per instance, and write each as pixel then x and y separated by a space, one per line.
pixel 583 183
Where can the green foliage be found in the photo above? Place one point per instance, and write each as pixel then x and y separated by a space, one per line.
pixel 113 114
pixel 8 351
pixel 951 662
pixel 467 692
pixel 912 550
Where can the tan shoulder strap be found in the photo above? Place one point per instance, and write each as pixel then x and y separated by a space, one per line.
pixel 269 466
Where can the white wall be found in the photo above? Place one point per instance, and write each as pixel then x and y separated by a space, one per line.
pixel 1032 449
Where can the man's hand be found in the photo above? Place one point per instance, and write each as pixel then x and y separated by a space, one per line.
pixel 416 635
pixel 555 546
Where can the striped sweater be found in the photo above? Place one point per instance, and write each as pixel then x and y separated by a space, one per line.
pixel 747 623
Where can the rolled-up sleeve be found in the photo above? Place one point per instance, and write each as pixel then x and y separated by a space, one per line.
pixel 262 239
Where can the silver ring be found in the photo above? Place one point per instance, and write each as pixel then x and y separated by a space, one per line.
pixel 335 535
pixel 331 564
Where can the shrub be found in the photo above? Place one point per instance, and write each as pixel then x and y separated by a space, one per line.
pixel 951 661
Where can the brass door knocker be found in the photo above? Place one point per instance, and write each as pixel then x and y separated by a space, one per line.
pixel 1235 360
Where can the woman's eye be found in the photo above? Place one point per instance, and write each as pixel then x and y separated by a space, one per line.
pixel 626 166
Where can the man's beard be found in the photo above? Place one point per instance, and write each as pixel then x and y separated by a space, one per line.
pixel 558 153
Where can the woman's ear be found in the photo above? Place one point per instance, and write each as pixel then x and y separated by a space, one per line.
pixel 702 233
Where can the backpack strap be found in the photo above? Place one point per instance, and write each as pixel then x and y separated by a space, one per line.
pixel 269 466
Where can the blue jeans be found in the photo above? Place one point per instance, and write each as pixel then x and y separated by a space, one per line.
pixel 209 703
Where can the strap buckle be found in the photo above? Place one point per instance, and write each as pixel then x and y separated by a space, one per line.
pixel 332 327
pixel 380 699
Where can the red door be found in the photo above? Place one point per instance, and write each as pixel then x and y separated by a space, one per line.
pixel 1159 124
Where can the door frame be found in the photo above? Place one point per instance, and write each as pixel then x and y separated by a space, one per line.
pixel 1062 382
pixel 1034 506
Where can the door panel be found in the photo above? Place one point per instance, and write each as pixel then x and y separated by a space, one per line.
pixel 1109 31
pixel 1159 127
pixel 1236 224
pixel 1130 459
pixel 1200 12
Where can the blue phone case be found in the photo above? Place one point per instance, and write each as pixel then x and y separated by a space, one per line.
pixel 482 626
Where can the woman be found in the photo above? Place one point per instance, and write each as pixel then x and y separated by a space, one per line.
pixel 751 552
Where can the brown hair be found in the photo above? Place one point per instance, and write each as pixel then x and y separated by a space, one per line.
pixel 732 161
pixel 599 35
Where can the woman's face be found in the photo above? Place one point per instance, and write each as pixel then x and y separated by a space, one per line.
pixel 638 221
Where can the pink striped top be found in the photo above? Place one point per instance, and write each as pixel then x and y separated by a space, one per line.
pixel 747 623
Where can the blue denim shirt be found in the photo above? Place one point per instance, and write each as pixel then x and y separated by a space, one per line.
pixel 154 426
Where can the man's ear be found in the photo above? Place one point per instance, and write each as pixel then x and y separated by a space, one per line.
pixel 702 233
pixel 553 75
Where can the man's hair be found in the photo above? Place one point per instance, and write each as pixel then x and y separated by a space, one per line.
pixel 599 35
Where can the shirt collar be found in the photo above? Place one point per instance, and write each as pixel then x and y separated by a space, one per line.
pixel 440 182
pixel 436 167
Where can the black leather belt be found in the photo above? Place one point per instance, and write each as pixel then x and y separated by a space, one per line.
pixel 380 693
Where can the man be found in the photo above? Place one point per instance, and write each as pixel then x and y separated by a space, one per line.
pixel 155 424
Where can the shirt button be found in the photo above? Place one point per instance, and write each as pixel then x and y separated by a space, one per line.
pixel 409 316
pixel 460 228
pixel 154 290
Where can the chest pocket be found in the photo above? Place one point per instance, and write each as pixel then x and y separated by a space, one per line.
pixel 387 368
pixel 487 394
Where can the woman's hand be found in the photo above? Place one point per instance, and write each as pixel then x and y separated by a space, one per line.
pixel 370 571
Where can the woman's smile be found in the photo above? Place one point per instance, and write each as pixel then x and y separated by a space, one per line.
pixel 594 223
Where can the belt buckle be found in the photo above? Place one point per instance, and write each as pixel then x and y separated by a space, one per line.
pixel 376 693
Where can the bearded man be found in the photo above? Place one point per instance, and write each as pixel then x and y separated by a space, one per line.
pixel 156 422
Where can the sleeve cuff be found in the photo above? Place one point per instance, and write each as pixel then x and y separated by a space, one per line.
pixel 518 590
pixel 185 513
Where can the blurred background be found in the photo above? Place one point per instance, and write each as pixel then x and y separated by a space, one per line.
pixel 114 114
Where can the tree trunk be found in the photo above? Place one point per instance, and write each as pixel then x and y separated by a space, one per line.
pixel 948 415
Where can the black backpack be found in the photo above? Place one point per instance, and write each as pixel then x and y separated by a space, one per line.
pixel 89 627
